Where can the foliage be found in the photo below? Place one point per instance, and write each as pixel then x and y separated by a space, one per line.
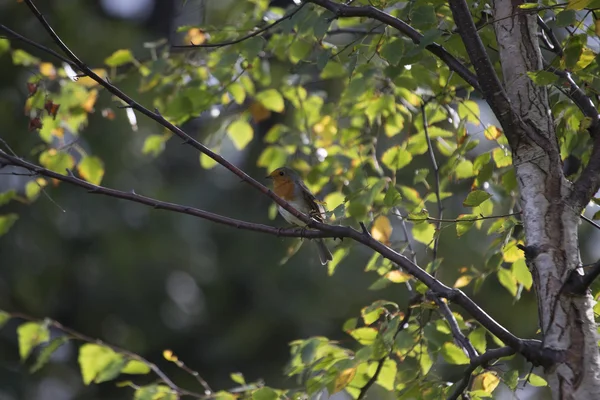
pixel 378 126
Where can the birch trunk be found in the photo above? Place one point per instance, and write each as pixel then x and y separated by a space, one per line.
pixel 550 223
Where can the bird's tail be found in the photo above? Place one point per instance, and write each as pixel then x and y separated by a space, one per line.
pixel 324 253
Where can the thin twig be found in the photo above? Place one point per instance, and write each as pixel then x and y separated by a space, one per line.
pixel 436 172
pixel 246 37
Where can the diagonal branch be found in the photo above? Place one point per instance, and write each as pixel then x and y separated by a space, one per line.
pixel 157 204
pixel 459 337
pixel 346 11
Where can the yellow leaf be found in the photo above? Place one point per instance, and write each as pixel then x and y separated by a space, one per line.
pixel 492 132
pixel 47 69
pixel 382 229
pixel 343 379
pixel 511 253
pixel 258 112
pixel 169 356
pixel 195 36
pixel 487 382
pixel 397 276
pixel 463 281
pixel 88 104
pixel 89 82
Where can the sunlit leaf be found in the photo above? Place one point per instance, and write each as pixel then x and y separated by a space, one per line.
pixel 135 367
pixel 47 352
pixel 91 169
pixel 382 229
pixel 99 363
pixel 271 99
pixel 57 161
pixel 343 379
pixel 507 280
pixel 240 132
pixel 522 274
pixel 475 198
pixel 454 354
pixel 30 335
pixel 119 57
pixel 486 382
pixel 265 393
pixel 535 380
pixel 424 233
pixel 462 281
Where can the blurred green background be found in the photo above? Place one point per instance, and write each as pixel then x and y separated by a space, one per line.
pixel 151 280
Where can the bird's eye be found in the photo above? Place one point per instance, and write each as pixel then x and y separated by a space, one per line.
pixel 281 173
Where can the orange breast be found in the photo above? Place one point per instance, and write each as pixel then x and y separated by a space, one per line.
pixel 284 188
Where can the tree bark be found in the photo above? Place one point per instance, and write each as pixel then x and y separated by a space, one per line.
pixel 552 251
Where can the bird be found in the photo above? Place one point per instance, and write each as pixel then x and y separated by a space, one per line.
pixel 288 185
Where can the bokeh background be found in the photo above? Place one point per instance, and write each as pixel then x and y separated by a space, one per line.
pixel 151 280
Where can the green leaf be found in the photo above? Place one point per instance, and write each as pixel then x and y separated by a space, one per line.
pixel 392 50
pixel 265 393
pixel 542 78
pixel 522 274
pixel 240 132
pixel 535 380
pixel 156 392
pixel 392 197
pixel 475 198
pixel 57 161
pixel 135 367
pixel 464 170
pixel 364 335
pixel 506 278
pixel 7 221
pixel 396 158
pixel 464 223
pixel 423 16
pixel 154 145
pixel 4 46
pixel 565 18
pixel 47 352
pixel 424 233
pixel 21 57
pixel 477 338
pixel 7 196
pixel 299 50
pixel 99 363
pixel 271 99
pixel 238 92
pixel 387 375
pixel 238 378
pixel 469 110
pixel 91 169
pixel 454 354
pixel 4 317
pixel 30 335
pixel 119 57
pixel 502 157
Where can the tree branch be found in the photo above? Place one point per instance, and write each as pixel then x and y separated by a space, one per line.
pixel 531 349
pixel 578 284
pixel 373 379
pixel 492 89
pixel 459 337
pixel 160 205
pixel 346 11
pixel 483 359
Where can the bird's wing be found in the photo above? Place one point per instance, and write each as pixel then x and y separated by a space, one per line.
pixel 316 210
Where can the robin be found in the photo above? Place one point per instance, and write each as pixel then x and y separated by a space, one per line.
pixel 288 185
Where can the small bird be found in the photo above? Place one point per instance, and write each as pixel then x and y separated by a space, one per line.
pixel 288 185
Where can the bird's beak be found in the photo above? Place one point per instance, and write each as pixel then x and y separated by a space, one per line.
pixel 268 177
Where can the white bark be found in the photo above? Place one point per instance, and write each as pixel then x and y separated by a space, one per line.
pixel 567 324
